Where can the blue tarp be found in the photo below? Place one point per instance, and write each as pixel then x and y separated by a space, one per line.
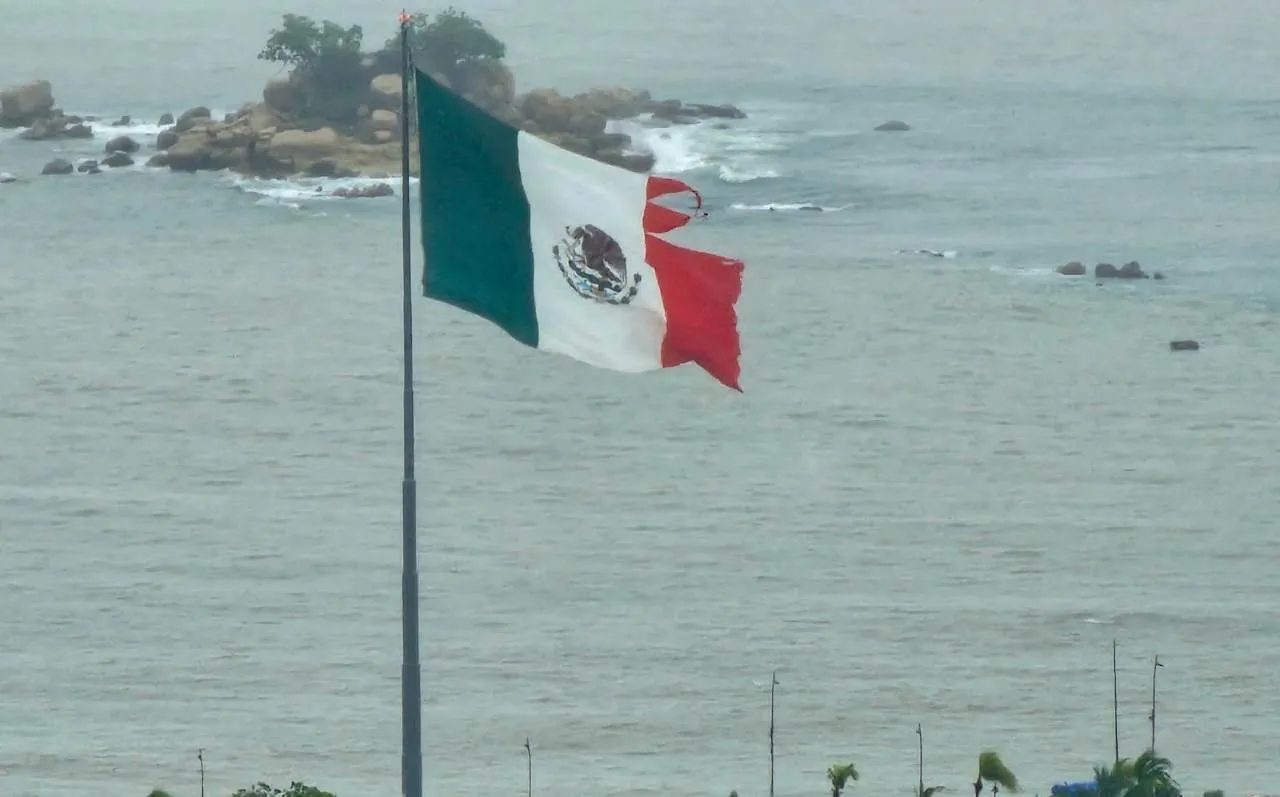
pixel 1076 789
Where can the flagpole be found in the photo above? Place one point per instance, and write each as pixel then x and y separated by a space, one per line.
pixel 411 667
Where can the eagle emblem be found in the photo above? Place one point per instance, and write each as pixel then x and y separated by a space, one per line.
pixel 593 264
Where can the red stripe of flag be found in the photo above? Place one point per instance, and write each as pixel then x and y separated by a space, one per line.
pixel 699 291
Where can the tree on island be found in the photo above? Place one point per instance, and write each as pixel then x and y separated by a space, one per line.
pixel 326 61
pixel 333 73
pixel 448 45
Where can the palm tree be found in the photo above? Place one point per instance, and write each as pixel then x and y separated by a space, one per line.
pixel 1153 777
pixel 992 769
pixel 840 775
pixel 1114 780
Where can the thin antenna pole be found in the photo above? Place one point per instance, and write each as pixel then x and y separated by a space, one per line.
pixel 528 750
pixel 200 756
pixel 773 689
pixel 1115 697
pixel 1154 666
pixel 920 734
pixel 411 667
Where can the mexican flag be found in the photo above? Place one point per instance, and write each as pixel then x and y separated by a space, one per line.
pixel 563 252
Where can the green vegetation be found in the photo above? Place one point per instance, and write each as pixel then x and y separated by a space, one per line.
pixel 450 43
pixel 1148 775
pixel 333 72
pixel 327 62
pixel 839 775
pixel 992 770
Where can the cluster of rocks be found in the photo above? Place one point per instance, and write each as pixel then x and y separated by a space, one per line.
pixel 1129 271
pixel 276 137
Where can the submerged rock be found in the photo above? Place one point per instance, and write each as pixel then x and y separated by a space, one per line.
pixel 893 126
pixel 117 160
pixel 1184 345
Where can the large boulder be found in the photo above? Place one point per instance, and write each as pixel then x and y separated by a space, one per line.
pixel 190 118
pixel 548 109
pixel 614 102
pixel 121 144
pixel 385 91
pixel 304 147
pixel 284 94
pixel 22 105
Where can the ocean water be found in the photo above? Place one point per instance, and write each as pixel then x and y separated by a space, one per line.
pixel 950 483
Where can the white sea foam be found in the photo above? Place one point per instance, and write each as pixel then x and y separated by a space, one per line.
pixel 787 207
pixel 944 253
pixel 297 191
pixel 735 151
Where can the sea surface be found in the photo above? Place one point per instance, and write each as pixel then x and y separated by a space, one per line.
pixel 950 483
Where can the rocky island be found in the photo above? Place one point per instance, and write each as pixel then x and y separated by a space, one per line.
pixel 337 110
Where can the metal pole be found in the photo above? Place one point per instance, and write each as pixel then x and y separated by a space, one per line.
pixel 411 668
pixel 920 734
pixel 773 688
pixel 528 750
pixel 200 757
pixel 1154 666
pixel 1115 697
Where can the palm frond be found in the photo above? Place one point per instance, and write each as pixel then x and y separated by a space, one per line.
pixel 991 768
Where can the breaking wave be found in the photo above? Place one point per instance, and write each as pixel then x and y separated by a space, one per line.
pixel 734 151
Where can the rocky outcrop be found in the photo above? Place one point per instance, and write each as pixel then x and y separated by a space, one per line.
pixel 56 126
pixel 6 177
pixel 20 106
pixel 1102 271
pixel 276 137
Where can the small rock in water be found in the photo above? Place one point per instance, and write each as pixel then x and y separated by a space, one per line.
pixel 117 160
pixel 1129 271
pixel 166 119
pixel 365 192
pixel 1184 345
pixel 58 166
pixel 88 167
pixel 893 126
pixel 122 144
pixel 5 177
pixel 1073 269
pixel 123 121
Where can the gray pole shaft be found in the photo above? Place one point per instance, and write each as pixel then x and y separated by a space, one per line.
pixel 1115 698
pixel 1154 665
pixel 411 668
pixel 773 686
